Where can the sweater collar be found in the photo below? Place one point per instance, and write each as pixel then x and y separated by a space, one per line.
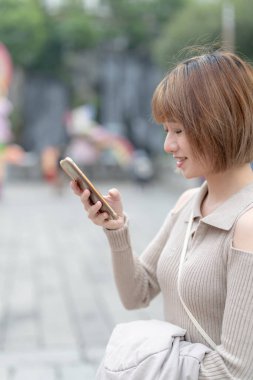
pixel 224 216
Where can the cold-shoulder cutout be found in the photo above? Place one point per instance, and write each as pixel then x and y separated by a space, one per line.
pixel 243 232
pixel 184 198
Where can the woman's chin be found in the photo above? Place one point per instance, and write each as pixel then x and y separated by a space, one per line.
pixel 186 174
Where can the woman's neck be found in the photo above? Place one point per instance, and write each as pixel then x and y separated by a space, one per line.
pixel 222 186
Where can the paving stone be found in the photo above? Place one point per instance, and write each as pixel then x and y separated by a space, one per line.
pixel 81 372
pixel 4 374
pixel 22 297
pixel 39 358
pixel 95 354
pixel 58 300
pixel 21 333
pixel 35 374
pixel 55 323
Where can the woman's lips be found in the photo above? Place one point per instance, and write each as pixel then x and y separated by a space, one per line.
pixel 180 161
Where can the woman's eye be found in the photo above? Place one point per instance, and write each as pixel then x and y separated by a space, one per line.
pixel 178 131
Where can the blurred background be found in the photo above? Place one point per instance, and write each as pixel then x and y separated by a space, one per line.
pixel 80 75
pixel 76 79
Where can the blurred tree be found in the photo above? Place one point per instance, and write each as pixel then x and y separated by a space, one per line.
pixel 197 24
pixel 134 24
pixel 75 28
pixel 200 24
pixel 37 38
pixel 22 29
pixel 244 27
pixel 70 29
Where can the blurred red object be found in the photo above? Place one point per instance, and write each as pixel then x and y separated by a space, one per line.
pixel 6 69
pixel 49 163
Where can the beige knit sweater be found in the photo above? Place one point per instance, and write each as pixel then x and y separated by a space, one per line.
pixel 217 281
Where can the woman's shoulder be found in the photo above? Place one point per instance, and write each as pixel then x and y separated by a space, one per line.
pixel 243 236
pixel 184 198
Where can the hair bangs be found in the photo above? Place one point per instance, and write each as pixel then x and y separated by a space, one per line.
pixel 166 101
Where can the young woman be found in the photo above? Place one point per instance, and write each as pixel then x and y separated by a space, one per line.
pixel 206 107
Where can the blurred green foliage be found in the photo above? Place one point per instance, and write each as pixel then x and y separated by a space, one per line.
pixel 199 24
pixel 244 27
pixel 23 29
pixel 138 23
pixel 38 37
pixel 196 25
pixel 69 29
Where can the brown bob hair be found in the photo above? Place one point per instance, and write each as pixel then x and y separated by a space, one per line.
pixel 211 95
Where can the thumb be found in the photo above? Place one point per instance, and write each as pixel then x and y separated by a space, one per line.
pixel 114 194
pixel 114 199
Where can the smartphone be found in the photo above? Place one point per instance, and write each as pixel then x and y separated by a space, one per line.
pixel 76 174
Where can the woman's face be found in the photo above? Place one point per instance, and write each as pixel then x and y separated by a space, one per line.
pixel 177 144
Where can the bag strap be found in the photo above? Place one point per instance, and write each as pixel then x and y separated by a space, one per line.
pixel 182 259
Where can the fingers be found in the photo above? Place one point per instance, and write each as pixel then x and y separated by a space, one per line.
pixel 85 199
pixel 93 210
pixel 94 214
pixel 84 195
pixel 100 219
pixel 74 186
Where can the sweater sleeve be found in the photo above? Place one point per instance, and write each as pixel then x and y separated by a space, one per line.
pixel 234 356
pixel 135 276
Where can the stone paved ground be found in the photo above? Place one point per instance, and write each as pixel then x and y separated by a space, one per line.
pixel 58 303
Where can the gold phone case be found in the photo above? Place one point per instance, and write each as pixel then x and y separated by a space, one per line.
pixel 76 174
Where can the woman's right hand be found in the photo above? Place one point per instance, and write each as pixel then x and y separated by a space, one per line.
pixel 93 210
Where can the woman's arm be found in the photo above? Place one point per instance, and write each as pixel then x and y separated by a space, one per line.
pixel 136 277
pixel 234 358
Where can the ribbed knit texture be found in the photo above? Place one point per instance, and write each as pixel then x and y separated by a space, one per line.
pixel 217 281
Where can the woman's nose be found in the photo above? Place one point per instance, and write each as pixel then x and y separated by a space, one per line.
pixel 170 145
